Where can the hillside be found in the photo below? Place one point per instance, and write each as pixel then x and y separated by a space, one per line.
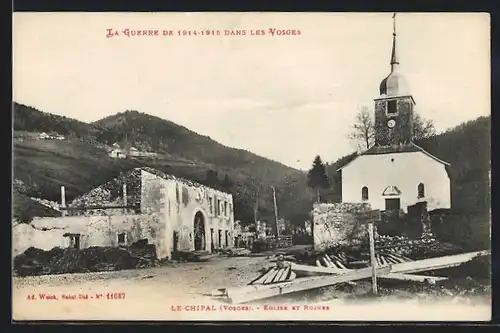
pixel 81 162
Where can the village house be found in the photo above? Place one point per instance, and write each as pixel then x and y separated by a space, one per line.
pixel 172 213
pixel 51 136
pixel 134 152
pixel 396 173
pixel 117 153
pixel 43 136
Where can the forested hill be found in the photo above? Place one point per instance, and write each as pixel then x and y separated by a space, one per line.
pixel 156 134
pixel 80 162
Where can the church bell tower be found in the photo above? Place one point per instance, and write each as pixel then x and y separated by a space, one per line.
pixel 394 107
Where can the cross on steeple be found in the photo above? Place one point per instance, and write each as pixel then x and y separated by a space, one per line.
pixel 394 56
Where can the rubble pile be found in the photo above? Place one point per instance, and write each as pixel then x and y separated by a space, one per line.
pixel 94 259
pixel 425 247
pixel 187 256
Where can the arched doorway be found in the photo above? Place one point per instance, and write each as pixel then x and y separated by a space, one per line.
pixel 199 232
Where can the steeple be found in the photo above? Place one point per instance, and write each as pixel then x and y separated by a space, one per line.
pixel 394 84
pixel 394 55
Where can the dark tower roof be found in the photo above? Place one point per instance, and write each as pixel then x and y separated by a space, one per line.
pixel 395 83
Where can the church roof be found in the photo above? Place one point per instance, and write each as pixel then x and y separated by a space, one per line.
pixel 409 148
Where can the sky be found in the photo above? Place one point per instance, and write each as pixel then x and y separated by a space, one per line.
pixel 287 97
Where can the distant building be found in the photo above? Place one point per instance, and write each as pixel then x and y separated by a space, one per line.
pixel 43 136
pixel 134 152
pixel 396 173
pixel 117 153
pixel 308 227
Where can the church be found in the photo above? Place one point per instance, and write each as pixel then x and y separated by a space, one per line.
pixel 395 173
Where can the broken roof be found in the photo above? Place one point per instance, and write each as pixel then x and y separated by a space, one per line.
pixel 163 175
pixel 409 148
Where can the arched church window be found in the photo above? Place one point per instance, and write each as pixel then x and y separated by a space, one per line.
pixel 420 190
pixel 364 193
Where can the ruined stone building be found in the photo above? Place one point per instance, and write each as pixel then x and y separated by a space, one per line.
pixel 173 213
pixel 395 173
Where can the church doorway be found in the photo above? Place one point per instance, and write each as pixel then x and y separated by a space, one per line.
pixel 392 204
pixel 199 232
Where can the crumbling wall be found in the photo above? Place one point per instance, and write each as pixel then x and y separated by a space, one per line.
pixel 417 220
pixel 336 224
pixel 110 194
pixel 184 200
pixel 47 233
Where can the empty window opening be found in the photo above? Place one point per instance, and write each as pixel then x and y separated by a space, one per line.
pixel 392 107
pixel 220 238
pixel 227 238
pixel 212 239
pixel 364 193
pixel 225 208
pixel 421 190
pixel 74 240
pixel 211 205
pixel 122 238
pixel 176 241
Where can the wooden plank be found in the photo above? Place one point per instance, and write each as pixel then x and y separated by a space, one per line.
pixel 279 273
pixel 326 263
pixel 264 276
pixel 406 267
pixel 436 263
pixel 270 276
pixel 255 292
pixel 315 270
pixel 411 277
pixel 284 273
pixel 318 263
pixel 390 260
pixel 395 258
pixel 340 264
pixel 330 261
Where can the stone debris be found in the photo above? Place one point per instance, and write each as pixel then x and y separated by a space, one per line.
pixel 192 256
pixel 94 259
pixel 236 252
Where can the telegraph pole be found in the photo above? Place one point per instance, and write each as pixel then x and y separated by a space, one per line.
pixel 256 207
pixel 276 212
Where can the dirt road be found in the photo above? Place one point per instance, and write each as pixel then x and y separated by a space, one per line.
pixel 180 292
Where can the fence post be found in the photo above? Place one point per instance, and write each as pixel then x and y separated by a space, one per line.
pixel 372 257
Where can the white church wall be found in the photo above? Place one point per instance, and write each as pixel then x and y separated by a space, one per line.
pixel 403 170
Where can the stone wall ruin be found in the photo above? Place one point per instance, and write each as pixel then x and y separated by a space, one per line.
pixel 336 224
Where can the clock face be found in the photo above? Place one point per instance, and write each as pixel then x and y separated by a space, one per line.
pixel 391 123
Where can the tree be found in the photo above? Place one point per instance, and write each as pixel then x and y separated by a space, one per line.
pixel 317 177
pixel 363 129
pixel 422 128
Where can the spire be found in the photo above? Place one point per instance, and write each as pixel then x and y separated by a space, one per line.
pixel 394 56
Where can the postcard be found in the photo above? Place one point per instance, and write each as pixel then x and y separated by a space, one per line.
pixel 251 166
